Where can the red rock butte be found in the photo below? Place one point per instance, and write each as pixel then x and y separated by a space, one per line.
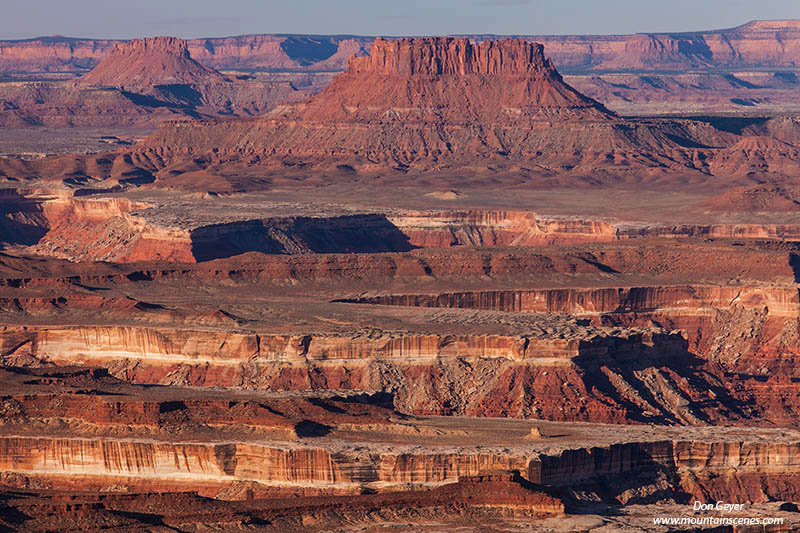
pixel 144 63
pixel 449 55
pixel 447 79
pixel 420 102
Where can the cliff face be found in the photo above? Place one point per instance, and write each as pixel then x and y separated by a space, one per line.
pixel 695 464
pixel 698 465
pixel 751 472
pixel 53 54
pixel 298 466
pixel 434 57
pixel 470 375
pixel 62 54
pixel 690 299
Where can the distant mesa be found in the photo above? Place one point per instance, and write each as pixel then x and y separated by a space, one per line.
pixel 446 79
pixel 141 64
pixel 770 26
pixel 755 44
pixel 141 83
pixel 438 104
pixel 434 56
pixel 434 103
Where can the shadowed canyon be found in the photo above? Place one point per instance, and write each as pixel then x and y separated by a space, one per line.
pixel 468 283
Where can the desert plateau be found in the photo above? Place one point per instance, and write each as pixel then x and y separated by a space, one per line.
pixel 439 281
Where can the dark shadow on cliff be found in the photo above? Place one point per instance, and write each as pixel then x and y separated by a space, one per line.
pixel 10 517
pixel 378 399
pixel 307 50
pixel 598 480
pixel 685 390
pixel 309 428
pixel 794 263
pixel 184 100
pixel 22 221
pixel 180 94
pixel 298 235
pixel 735 125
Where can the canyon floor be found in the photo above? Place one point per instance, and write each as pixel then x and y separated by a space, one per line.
pixel 298 360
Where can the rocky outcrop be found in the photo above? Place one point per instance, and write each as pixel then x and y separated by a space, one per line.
pixel 435 57
pixel 141 64
pixel 140 83
pixel 459 108
pixel 450 80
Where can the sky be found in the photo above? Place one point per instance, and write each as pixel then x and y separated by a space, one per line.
pixel 125 19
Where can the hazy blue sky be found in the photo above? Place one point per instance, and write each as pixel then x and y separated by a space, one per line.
pixel 207 18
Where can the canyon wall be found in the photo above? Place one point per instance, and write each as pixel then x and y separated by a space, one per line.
pixel 282 464
pixel 706 471
pixel 63 54
pixel 709 470
pixel 472 375
pixel 748 329
pixel 756 44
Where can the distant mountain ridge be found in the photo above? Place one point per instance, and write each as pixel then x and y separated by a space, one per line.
pixel 757 44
